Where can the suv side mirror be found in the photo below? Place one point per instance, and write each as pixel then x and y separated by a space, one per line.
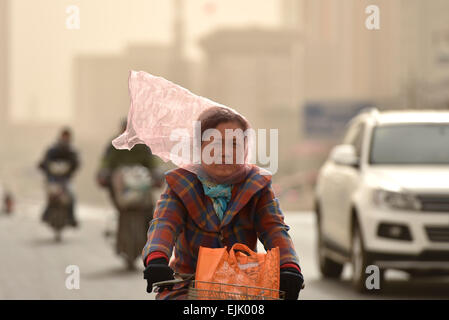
pixel 345 154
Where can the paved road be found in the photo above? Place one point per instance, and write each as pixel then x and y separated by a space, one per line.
pixel 32 265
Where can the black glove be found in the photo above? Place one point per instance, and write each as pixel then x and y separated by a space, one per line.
pixel 291 283
pixel 158 270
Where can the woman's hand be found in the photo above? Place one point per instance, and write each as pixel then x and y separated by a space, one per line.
pixel 291 282
pixel 157 270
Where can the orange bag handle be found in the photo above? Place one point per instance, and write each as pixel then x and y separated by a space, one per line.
pixel 240 247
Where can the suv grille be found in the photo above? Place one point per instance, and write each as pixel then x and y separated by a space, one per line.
pixel 438 234
pixel 436 203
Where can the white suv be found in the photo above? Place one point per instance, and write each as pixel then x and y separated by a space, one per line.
pixel 382 196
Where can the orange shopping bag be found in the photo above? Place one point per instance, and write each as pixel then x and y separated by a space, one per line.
pixel 238 274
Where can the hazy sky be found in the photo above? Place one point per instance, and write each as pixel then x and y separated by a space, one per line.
pixel 42 47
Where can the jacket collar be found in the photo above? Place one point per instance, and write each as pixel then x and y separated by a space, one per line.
pixel 190 190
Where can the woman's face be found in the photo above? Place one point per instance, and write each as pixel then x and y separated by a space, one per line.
pixel 224 169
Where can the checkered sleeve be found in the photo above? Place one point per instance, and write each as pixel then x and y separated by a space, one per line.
pixel 271 228
pixel 168 219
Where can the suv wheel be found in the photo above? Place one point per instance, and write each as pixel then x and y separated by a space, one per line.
pixel 360 261
pixel 328 267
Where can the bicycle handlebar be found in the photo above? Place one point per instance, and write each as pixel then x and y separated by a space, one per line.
pixel 181 278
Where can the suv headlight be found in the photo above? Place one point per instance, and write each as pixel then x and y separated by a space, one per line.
pixel 396 200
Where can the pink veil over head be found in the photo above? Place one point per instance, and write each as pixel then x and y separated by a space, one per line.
pixel 162 115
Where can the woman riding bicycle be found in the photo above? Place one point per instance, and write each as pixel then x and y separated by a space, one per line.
pixel 216 204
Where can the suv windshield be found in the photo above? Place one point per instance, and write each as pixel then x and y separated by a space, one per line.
pixel 410 144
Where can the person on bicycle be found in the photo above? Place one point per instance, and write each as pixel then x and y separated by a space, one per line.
pixel 218 205
pixel 62 151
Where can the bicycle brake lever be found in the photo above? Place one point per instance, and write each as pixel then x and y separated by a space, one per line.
pixel 179 278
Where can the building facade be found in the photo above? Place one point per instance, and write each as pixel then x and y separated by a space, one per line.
pixel 4 61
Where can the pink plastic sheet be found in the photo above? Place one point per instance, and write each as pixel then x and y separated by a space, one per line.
pixel 162 116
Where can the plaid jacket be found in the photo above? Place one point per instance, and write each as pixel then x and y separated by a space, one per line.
pixel 184 218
